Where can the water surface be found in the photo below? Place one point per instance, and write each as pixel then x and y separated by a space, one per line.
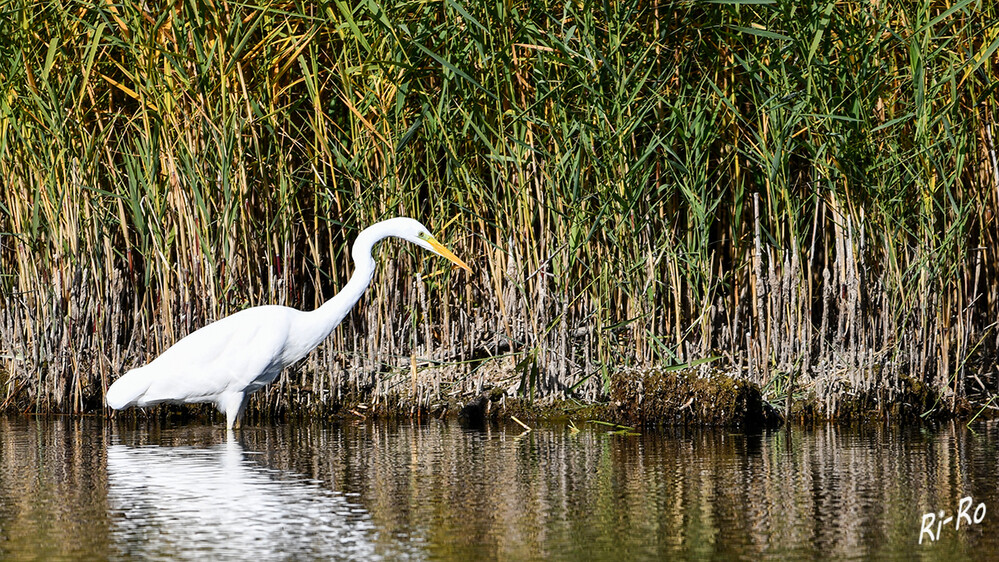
pixel 88 488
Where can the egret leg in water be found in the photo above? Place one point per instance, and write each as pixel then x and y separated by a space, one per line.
pixel 230 359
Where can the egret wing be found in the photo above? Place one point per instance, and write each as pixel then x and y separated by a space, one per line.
pixel 225 356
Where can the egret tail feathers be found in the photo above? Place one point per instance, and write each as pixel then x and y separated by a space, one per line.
pixel 129 389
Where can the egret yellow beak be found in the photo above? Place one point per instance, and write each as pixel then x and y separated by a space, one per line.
pixel 440 249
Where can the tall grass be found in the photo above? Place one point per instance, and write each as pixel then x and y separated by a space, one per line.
pixel 805 188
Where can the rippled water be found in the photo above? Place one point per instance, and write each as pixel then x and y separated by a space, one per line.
pixel 87 488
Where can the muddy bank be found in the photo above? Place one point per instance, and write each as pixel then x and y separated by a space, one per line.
pixel 653 398
pixel 684 398
pixel 661 398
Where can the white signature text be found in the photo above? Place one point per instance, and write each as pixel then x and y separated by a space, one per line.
pixel 935 522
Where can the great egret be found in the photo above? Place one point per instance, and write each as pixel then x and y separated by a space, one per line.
pixel 227 360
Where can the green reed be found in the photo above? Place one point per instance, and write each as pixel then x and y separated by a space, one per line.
pixel 789 186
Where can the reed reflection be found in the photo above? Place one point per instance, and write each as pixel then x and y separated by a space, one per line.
pixel 217 502
pixel 84 489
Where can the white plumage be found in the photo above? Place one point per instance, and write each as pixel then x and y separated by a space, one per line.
pixel 227 360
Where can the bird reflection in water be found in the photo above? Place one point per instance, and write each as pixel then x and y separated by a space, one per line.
pixel 187 502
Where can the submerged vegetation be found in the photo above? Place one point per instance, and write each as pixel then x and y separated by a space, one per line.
pixel 806 191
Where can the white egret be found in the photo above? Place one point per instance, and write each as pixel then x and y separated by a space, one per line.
pixel 229 359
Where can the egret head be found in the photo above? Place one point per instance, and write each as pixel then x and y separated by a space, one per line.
pixel 425 239
pixel 413 231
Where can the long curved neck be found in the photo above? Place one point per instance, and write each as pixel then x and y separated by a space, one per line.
pixel 325 318
pixel 335 309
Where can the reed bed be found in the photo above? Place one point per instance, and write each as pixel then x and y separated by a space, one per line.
pixel 803 190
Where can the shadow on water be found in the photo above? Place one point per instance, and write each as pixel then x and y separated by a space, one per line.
pixel 367 490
